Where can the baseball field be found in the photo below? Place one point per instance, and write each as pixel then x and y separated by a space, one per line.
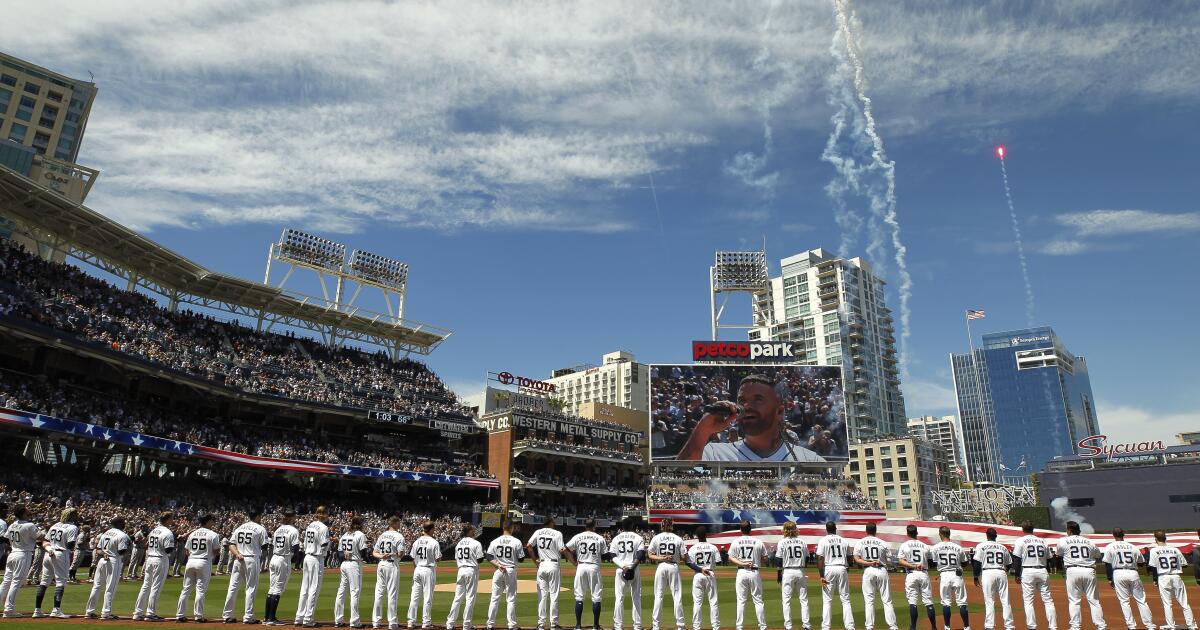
pixel 76 596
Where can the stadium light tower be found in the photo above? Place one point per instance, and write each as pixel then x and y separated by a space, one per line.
pixel 739 272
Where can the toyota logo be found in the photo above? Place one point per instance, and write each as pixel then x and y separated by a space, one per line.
pixel 505 378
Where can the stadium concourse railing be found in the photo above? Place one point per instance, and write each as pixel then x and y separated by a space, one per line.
pixel 118 437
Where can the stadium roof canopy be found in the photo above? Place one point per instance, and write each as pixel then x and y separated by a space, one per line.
pixel 78 231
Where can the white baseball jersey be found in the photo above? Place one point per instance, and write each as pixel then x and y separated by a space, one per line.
pixel 1032 552
pixel 625 547
pixel 507 551
pixel 62 535
pixel 992 555
pixel 667 544
pixel 589 547
pixel 872 549
pixel 284 539
pixel 391 542
pixel 159 540
pixel 113 542
pixel 202 543
pixel 748 549
pixel 316 539
pixel 948 556
pixel 915 552
pixel 468 552
pixel 1167 560
pixel 425 552
pixel 548 543
pixel 834 549
pixel 791 552
pixel 249 539
pixel 1077 551
pixel 351 545
pixel 704 555
pixel 22 536
pixel 1122 555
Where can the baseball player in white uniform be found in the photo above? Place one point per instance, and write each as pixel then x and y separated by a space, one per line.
pixel 871 553
pixel 22 537
pixel 991 574
pixel 948 557
pixel 1167 565
pixel 628 551
pixel 112 548
pixel 703 557
pixel 546 546
pixel 56 563
pixel 425 553
pixel 389 549
pixel 160 543
pixel 913 555
pixel 1079 557
pixel 666 548
pixel 833 552
pixel 314 542
pixel 352 549
pixel 204 547
pixel 748 553
pixel 1122 560
pixel 467 554
pixel 1031 553
pixel 504 552
pixel 792 553
pixel 285 545
pixel 586 549
pixel 246 545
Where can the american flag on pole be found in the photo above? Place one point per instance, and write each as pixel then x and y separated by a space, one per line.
pixel 974 314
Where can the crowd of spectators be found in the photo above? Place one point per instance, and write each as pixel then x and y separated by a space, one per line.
pixel 63 400
pixel 779 498
pixel 65 298
pixel 812 397
pixel 572 481
pixel 567 446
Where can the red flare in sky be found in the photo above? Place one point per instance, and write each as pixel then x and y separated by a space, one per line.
pixel 1000 152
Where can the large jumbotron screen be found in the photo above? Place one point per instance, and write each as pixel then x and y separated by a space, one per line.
pixel 747 413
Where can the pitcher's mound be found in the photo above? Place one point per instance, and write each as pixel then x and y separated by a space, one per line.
pixel 485 586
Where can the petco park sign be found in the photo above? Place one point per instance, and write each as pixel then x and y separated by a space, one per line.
pixel 1097 446
pixel 507 378
pixel 744 351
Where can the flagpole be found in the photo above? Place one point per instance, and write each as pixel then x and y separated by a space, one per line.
pixel 979 388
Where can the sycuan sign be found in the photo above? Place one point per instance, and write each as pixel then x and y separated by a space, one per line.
pixel 1097 446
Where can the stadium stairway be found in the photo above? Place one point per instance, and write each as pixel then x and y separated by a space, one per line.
pixel 316 365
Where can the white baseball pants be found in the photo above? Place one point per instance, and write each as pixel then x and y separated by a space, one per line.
pixel 994 583
pixel 794 584
pixel 196 575
pixel 749 586
pixel 1081 582
pixel 1171 588
pixel 349 580
pixel 836 580
pixel 588 583
pixel 504 583
pixel 247 570
pixel 466 584
pixel 387 585
pixel 704 589
pixel 1037 581
pixel 634 587
pixel 549 581
pixel 280 571
pixel 423 581
pixel 952 589
pixel 1128 586
pixel 666 576
pixel 154 575
pixel 311 576
pixel 105 578
pixel 917 589
pixel 15 570
pixel 56 568
pixel 875 585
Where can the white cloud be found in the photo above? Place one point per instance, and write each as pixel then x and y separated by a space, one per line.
pixel 1125 423
pixel 928 398
pixel 1122 222
pixel 1062 247
pixel 476 113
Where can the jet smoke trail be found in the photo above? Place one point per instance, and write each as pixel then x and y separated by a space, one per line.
pixel 846 179
pixel 1012 213
pixel 884 208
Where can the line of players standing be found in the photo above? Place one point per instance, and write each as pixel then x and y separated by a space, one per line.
pixel 250 543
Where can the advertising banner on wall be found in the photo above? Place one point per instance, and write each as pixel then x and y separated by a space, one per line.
pixel 747 413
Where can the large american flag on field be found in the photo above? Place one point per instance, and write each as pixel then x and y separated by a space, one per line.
pixel 974 314
pixel 49 424
pixel 966 534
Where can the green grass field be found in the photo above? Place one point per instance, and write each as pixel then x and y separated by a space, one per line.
pixel 76 596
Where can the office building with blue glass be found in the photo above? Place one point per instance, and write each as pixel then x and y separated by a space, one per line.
pixel 1023 399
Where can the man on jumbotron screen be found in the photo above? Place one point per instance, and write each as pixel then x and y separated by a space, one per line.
pixel 758 414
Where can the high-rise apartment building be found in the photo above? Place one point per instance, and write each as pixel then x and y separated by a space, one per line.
pixel 833 308
pixel 42 109
pixel 619 380
pixel 1023 399
pixel 900 474
pixel 942 431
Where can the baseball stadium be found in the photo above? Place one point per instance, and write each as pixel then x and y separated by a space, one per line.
pixel 184 445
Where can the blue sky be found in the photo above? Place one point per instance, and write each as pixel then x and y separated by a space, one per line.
pixel 506 150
